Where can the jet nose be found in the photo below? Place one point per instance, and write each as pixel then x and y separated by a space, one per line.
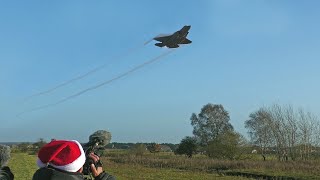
pixel 187 27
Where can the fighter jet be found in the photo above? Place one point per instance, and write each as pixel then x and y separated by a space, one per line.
pixel 173 40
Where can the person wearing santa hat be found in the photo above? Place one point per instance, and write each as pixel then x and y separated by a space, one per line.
pixel 64 159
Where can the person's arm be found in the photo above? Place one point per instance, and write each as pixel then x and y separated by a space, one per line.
pixel 5 173
pixel 98 172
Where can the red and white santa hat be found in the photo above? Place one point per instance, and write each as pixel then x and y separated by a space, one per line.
pixel 65 155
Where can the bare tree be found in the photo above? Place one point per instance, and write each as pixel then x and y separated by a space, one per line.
pixel 307 127
pixel 291 132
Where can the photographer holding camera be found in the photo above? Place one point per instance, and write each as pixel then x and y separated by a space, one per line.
pixel 5 172
pixel 64 159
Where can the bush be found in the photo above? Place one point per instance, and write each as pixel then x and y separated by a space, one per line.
pixel 138 149
pixel 229 145
pixel 188 146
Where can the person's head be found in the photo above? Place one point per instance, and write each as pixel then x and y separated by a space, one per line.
pixel 66 155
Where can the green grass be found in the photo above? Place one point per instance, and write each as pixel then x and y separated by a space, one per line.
pixel 165 166
pixel 253 165
pixel 23 166
pixel 125 171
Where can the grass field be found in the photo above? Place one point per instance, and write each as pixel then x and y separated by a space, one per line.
pixel 252 167
pixel 168 166
pixel 124 171
pixel 23 166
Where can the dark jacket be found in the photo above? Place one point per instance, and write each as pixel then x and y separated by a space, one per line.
pixel 6 174
pixel 50 173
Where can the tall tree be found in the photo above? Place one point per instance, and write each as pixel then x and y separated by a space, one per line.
pixel 259 130
pixel 212 121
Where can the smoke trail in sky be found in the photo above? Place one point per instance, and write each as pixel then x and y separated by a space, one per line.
pixel 147 42
pixel 130 51
pixel 101 84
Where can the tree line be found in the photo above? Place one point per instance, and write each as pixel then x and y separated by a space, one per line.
pixel 283 131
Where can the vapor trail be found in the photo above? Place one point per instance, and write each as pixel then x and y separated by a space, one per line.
pixel 147 42
pixel 101 84
pixel 81 76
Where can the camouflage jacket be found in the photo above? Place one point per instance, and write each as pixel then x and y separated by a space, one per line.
pixel 48 173
pixel 6 174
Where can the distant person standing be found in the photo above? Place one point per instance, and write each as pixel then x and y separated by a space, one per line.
pixel 5 172
pixel 64 160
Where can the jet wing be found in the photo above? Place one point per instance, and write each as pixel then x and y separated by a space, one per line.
pixel 185 41
pixel 162 37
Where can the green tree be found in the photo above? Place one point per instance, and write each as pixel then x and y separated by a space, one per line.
pixel 259 128
pixel 212 121
pixel 229 145
pixel 188 146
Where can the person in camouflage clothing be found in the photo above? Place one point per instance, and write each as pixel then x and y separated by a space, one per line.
pixel 64 159
pixel 5 172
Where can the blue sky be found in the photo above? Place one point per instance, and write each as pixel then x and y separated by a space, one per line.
pixel 244 55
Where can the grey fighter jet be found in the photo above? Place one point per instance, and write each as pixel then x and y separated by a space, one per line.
pixel 173 40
